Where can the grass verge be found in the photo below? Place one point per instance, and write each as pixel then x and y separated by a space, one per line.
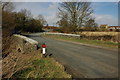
pixel 30 64
pixel 86 41
pixel 43 68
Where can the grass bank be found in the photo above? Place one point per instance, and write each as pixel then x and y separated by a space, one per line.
pixel 30 65
pixel 38 67
pixel 86 41
pixel 43 68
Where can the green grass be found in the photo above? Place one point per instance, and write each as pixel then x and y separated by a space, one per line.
pixel 86 41
pixel 22 73
pixel 43 68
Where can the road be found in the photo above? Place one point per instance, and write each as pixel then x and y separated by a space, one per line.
pixel 82 61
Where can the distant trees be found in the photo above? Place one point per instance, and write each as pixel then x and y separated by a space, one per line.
pixel 78 15
pixel 41 19
pixel 26 23
pixel 20 21
pixel 63 23
pixel 91 25
pixel 34 26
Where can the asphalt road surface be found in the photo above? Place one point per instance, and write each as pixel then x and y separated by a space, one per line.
pixel 82 61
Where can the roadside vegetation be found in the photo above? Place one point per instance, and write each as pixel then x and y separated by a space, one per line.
pixel 101 36
pixel 16 64
pixel 30 64
pixel 17 22
pixel 86 41
pixel 74 17
pixel 43 68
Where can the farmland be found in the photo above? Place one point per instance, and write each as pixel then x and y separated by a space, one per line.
pixel 104 36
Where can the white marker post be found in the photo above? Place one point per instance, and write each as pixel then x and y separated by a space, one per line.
pixel 44 49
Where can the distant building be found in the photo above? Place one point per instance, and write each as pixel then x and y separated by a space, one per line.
pixel 114 28
pixel 104 26
pixel 50 28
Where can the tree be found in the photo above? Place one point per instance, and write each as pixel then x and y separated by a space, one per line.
pixel 26 23
pixel 63 23
pixel 23 19
pixel 34 26
pixel 8 25
pixel 91 25
pixel 27 13
pixel 8 22
pixel 78 13
pixel 41 19
pixel 7 6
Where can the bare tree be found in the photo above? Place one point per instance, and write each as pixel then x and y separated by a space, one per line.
pixel 41 19
pixel 63 23
pixel 91 25
pixel 7 6
pixel 27 14
pixel 78 13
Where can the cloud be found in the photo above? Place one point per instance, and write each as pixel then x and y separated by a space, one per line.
pixel 106 19
pixel 52 13
pixel 48 10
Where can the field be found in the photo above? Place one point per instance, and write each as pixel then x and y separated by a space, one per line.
pixel 99 33
pixel 103 36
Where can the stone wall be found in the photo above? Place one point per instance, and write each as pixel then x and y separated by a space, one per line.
pixel 24 44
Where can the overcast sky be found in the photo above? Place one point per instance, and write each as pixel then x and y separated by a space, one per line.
pixel 104 12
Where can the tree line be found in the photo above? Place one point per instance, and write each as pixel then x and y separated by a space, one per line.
pixel 74 17
pixel 22 21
